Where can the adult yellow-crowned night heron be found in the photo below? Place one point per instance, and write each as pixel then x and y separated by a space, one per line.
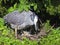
pixel 21 20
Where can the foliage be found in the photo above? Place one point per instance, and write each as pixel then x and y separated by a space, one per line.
pixel 52 6
pixel 46 26
pixel 7 37
pixel 53 38
pixel 49 6
pixel 38 6
pixel 22 5
pixel 2 10
pixel 8 41
pixel 4 31
pixel 45 6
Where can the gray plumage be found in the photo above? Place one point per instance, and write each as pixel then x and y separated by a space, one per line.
pixel 22 19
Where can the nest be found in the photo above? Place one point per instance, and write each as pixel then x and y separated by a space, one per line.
pixel 30 36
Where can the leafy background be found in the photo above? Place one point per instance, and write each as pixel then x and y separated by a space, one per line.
pixel 47 10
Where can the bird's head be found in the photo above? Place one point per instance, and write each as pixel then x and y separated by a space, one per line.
pixel 35 20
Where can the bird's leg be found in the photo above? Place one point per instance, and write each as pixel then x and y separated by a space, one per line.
pixel 16 32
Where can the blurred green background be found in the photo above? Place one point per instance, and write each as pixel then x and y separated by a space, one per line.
pixel 47 10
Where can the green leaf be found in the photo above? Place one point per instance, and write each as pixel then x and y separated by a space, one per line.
pixel 10 9
pixel 15 5
pixel 35 7
pixel 32 4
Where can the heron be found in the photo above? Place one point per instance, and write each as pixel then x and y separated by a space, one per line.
pixel 20 20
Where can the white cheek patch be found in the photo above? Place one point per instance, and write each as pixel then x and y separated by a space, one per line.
pixel 35 20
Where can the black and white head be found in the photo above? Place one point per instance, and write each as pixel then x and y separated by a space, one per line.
pixel 35 20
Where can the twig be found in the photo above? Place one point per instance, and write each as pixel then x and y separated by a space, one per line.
pixel 50 29
pixel 40 21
